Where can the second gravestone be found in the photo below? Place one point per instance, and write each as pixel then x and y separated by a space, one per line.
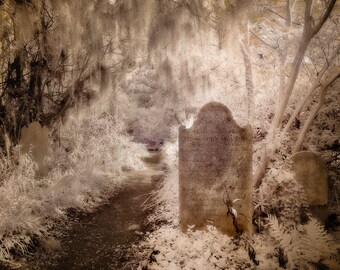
pixel 34 138
pixel 311 173
pixel 215 157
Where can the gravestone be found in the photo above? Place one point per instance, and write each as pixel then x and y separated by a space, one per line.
pixel 311 174
pixel 34 138
pixel 215 157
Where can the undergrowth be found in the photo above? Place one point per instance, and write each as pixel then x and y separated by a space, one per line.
pixel 88 154
pixel 305 246
pixel 285 235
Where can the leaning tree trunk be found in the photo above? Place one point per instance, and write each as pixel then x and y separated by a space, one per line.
pixel 314 112
pixel 309 31
pixel 311 90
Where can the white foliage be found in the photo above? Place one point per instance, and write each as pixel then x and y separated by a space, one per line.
pixel 85 169
pixel 19 218
pixel 304 245
pixel 208 249
pixel 280 194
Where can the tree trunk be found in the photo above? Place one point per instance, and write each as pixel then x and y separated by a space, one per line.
pixel 249 83
pixel 308 33
pixel 315 86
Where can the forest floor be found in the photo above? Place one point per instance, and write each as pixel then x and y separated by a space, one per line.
pixel 121 235
pixel 107 238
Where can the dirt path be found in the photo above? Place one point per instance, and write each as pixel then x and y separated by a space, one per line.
pixel 102 240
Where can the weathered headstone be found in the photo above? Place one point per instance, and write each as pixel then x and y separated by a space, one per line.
pixel 311 174
pixel 35 138
pixel 215 157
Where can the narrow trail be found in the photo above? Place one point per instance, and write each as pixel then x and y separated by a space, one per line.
pixel 102 240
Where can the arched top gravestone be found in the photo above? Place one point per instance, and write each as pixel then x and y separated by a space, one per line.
pixel 311 173
pixel 215 157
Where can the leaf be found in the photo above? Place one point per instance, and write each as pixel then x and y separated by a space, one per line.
pixel 234 212
pixel 236 200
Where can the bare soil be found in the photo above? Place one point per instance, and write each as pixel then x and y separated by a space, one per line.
pixel 107 238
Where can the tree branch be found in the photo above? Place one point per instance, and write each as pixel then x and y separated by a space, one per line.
pixel 263 41
pixel 314 112
pixel 307 35
pixel 288 14
pixel 315 86
pixel 282 17
pixel 324 17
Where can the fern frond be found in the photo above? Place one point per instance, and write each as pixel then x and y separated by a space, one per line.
pixel 320 240
pixel 276 231
pixel 306 245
